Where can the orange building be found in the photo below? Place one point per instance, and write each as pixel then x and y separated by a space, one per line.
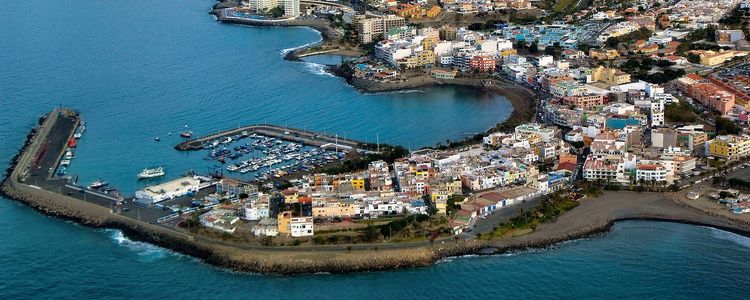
pixel 407 11
pixel 568 158
pixel 483 63
pixel 584 101
pixel 712 96
pixel 434 11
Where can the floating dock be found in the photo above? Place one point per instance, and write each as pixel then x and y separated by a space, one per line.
pixel 289 134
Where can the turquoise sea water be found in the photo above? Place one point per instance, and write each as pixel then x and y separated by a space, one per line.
pixel 138 69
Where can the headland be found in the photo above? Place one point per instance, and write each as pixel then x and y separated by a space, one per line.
pixel 28 180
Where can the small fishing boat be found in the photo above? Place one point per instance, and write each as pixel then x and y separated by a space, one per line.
pixel 98 184
pixel 156 138
pixel 186 134
pixel 151 173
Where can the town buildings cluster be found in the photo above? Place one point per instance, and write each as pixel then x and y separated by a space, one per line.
pixel 291 7
pixel 596 121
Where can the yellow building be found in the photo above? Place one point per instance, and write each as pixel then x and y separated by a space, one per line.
pixel 507 52
pixel 610 76
pixel 418 59
pixel 429 43
pixel 290 196
pixel 358 183
pixel 334 209
pixel 713 58
pixel 434 11
pixel 284 220
pixel 603 54
pixel 441 201
pixel 729 146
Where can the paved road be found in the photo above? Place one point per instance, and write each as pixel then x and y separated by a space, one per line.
pixel 503 215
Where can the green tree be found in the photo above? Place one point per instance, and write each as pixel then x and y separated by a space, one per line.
pixel 277 12
pixel 694 58
pixel 370 233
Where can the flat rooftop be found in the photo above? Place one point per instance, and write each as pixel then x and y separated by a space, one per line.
pixel 172 186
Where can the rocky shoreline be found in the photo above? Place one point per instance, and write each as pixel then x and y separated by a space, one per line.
pixel 291 261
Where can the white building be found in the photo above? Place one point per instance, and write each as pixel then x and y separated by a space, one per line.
pixel 495 45
pixel 168 190
pixel 261 5
pixel 291 8
pixel 254 211
pixel 219 219
pixel 301 226
pixel 546 133
pixel 266 227
pixel 656 113
pixel 649 172
pixel 610 168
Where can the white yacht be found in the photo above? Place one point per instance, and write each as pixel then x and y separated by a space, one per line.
pixel 151 173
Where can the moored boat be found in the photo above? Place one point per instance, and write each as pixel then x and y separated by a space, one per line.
pixel 151 173
pixel 186 134
pixel 98 184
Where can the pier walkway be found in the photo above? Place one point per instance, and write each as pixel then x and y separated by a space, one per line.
pixel 296 135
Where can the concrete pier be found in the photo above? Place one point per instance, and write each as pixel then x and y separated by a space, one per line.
pixel 289 134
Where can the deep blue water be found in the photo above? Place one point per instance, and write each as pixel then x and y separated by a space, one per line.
pixel 138 69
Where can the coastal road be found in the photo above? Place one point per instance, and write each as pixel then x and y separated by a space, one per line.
pixel 486 224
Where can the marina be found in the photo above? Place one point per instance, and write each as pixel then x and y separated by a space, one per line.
pixel 263 157
pixel 308 138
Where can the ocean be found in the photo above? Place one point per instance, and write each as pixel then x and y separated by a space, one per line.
pixel 141 69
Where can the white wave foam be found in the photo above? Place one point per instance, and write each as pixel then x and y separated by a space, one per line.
pixel 317 69
pixel 142 249
pixel 395 92
pixel 287 50
pixel 730 236
pixel 452 258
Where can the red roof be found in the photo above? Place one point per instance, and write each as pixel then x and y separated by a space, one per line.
pixel 567 166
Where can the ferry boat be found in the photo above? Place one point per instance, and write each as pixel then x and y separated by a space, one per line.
pixel 186 134
pixel 151 173
pixel 98 184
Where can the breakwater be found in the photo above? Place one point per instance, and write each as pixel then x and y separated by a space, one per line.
pixel 306 137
